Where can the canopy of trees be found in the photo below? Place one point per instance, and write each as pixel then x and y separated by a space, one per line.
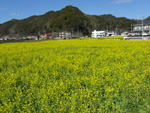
pixel 69 18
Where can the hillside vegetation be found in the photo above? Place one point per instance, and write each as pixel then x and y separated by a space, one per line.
pixel 69 18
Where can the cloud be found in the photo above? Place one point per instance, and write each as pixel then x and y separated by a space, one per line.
pixel 3 9
pixel 122 1
pixel 14 14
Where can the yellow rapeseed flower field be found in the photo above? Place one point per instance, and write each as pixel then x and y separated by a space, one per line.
pixel 75 76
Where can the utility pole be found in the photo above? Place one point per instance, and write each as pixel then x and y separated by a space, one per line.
pixel 107 28
pixel 72 32
pixel 78 31
pixel 142 26
pixel 149 28
pixel 131 28
pixel 116 30
pixel 89 32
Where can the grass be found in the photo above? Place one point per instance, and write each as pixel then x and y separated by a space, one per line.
pixel 112 37
pixel 101 38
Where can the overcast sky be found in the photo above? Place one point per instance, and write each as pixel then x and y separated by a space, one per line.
pixel 20 9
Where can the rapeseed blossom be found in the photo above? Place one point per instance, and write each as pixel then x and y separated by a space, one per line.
pixel 75 76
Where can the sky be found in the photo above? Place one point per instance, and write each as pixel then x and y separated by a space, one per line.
pixel 20 9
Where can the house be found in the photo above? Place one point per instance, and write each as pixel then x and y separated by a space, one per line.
pixel 65 35
pixel 5 37
pixel 125 33
pixel 110 33
pixel 98 34
pixel 46 36
pixel 31 38
pixel 138 28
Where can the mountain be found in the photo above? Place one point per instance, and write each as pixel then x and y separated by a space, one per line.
pixel 69 18
pixel 27 26
pixel 147 20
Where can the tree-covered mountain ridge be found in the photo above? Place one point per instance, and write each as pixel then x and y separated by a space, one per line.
pixel 69 18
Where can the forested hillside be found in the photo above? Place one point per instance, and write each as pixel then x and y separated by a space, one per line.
pixel 69 18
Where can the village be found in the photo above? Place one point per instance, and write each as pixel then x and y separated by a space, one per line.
pixel 138 32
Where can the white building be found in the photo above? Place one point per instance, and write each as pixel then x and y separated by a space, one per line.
pixel 64 34
pixel 98 33
pixel 111 33
pixel 137 29
pixel 5 37
pixel 125 33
